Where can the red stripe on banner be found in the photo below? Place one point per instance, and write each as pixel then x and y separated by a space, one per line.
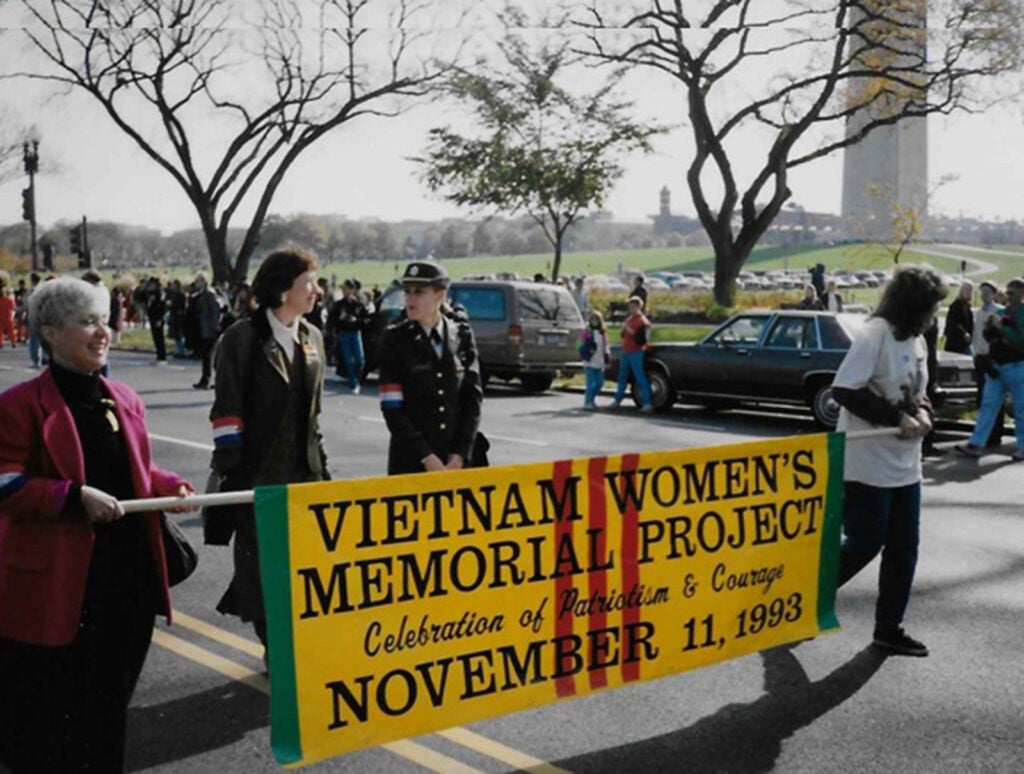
pixel 566 685
pixel 598 580
pixel 630 557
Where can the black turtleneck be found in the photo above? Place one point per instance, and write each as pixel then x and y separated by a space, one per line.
pixel 120 549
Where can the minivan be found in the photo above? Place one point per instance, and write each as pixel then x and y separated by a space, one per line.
pixel 525 331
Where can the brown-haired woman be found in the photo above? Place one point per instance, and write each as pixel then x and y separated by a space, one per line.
pixel 270 370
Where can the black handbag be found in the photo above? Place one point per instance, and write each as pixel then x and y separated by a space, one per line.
pixel 180 555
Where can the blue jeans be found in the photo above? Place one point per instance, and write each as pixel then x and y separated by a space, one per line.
pixel 350 347
pixel 633 363
pixel 1011 380
pixel 595 381
pixel 887 520
pixel 33 350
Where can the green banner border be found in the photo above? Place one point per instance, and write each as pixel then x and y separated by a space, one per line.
pixel 828 563
pixel 275 570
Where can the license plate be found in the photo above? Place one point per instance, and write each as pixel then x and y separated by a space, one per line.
pixel 965 377
pixel 552 338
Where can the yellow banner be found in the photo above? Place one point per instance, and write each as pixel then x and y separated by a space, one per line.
pixel 398 606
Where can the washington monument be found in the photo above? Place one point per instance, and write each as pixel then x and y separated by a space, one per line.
pixel 886 174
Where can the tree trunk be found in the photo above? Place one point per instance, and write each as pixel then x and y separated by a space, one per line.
pixel 557 265
pixel 728 263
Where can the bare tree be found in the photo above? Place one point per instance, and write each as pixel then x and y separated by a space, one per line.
pixel 801 79
pixel 226 94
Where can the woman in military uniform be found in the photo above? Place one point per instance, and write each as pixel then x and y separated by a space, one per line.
pixel 270 372
pixel 430 390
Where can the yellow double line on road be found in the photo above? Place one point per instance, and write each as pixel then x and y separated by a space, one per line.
pixel 412 751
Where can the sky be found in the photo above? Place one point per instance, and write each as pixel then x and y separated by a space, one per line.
pixel 363 170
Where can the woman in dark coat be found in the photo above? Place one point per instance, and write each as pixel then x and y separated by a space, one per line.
pixel 80 582
pixel 959 328
pixel 270 371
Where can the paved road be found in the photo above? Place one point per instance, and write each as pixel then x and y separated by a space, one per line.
pixel 829 705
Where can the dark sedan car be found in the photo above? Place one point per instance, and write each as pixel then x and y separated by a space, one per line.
pixel 782 357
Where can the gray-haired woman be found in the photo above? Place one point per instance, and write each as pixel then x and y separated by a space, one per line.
pixel 80 582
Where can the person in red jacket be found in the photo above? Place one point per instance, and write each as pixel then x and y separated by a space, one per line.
pixel 80 581
pixel 8 305
pixel 635 332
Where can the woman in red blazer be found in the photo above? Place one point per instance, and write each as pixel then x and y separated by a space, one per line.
pixel 80 582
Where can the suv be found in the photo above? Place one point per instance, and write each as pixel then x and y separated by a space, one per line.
pixel 524 330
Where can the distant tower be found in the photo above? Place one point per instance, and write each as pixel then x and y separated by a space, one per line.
pixel 886 172
pixel 665 197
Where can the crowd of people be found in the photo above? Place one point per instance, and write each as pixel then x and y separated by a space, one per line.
pixel 75 629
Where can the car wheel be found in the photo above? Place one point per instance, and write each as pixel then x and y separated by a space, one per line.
pixel 537 382
pixel 662 393
pixel 824 407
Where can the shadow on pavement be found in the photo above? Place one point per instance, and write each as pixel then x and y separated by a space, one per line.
pixel 741 738
pixel 194 724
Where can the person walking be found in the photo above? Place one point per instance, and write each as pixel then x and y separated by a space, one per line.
pixel 982 359
pixel 348 318
pixel 33 341
pixel 635 333
pixel 81 582
pixel 206 308
pixel 265 415
pixel 882 382
pixel 1005 375
pixel 959 327
pixel 594 354
pixel 430 388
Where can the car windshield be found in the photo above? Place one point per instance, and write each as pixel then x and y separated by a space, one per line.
pixel 547 304
pixel 742 330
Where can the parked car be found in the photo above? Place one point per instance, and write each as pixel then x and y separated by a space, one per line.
pixel 524 330
pixel 774 357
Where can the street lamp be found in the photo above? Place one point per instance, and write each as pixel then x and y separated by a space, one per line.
pixel 30 155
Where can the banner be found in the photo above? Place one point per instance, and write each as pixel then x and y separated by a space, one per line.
pixel 403 605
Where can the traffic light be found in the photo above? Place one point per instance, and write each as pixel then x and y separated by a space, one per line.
pixel 76 241
pixel 84 260
pixel 28 210
pixel 48 252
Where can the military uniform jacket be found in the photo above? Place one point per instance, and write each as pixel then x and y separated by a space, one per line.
pixel 431 404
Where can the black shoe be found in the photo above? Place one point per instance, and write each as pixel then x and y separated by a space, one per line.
pixel 934 451
pixel 898 643
pixel 201 386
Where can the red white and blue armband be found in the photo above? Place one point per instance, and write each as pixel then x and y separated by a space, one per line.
pixel 227 432
pixel 391 396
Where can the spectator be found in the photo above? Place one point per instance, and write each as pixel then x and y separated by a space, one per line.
pixel 207 320
pixel 156 312
pixel 33 342
pixel 635 333
pixel 959 327
pixel 116 321
pixel 265 415
pixel 1005 336
pixel 176 316
pixel 349 317
pixel 74 631
pixel 639 290
pixel 818 278
pixel 831 301
pixel 430 391
pixel 810 299
pixel 8 308
pixel 594 354
pixel 982 360
pixel 881 383
pixel 21 311
pixel 579 294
